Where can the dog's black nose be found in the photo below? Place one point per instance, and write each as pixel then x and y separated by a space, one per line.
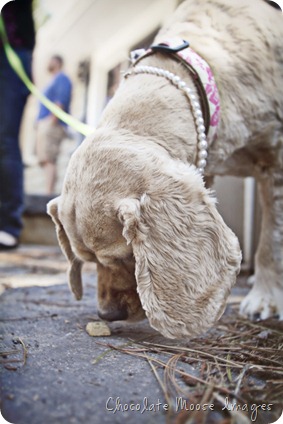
pixel 116 315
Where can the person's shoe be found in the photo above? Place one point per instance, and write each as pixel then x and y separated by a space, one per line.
pixel 7 241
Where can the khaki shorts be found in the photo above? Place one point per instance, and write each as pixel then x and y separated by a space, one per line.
pixel 49 138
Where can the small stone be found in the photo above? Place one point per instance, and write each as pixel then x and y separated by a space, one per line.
pixel 98 328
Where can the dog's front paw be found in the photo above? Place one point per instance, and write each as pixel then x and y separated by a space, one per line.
pixel 258 305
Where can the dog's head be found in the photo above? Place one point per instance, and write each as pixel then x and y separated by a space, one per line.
pixel 160 245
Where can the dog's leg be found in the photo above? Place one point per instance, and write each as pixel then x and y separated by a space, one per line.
pixel 266 297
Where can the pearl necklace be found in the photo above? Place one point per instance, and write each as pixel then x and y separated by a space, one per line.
pixel 196 108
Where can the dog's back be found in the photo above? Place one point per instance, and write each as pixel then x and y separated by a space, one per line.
pixel 242 42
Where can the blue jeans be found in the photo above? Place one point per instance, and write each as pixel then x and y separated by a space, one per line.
pixel 13 96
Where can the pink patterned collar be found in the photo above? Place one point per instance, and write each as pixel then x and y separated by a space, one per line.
pixel 202 74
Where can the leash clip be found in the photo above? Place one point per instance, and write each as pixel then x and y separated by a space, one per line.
pixel 164 48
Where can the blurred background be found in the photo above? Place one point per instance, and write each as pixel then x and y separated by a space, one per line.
pixel 95 38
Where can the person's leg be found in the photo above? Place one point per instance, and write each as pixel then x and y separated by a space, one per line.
pixel 51 137
pixel 51 176
pixel 12 101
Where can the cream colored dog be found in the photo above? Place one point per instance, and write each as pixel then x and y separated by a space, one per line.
pixel 134 202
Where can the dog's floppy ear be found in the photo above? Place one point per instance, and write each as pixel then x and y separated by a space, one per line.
pixel 75 265
pixel 186 257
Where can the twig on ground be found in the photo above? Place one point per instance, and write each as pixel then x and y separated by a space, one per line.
pixel 25 351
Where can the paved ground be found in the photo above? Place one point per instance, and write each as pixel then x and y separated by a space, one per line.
pixel 52 370
pixel 58 381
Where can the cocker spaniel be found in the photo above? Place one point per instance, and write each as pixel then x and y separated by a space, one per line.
pixel 206 99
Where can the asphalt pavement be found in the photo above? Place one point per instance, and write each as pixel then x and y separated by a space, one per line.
pixel 52 371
